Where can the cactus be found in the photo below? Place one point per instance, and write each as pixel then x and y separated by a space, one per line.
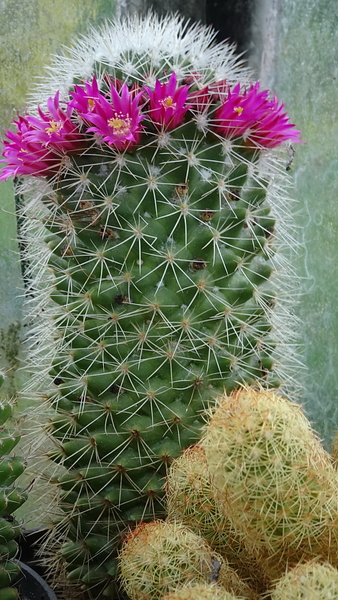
pixel 274 479
pixel 207 591
pixel 11 498
pixel 311 580
pixel 160 556
pixel 151 187
pixel 191 500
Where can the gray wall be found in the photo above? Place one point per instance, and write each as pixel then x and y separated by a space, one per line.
pixel 296 54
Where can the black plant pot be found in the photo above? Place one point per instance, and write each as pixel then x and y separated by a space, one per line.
pixel 31 583
pixel 31 586
pixel 30 543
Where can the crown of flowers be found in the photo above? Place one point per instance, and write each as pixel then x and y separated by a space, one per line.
pixel 120 117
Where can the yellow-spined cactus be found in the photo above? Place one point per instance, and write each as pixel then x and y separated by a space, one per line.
pixel 230 580
pixel 206 591
pixel 308 581
pixel 159 556
pixel 191 500
pixel 273 478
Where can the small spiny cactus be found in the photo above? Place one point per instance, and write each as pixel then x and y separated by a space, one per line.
pixel 159 556
pixel 275 481
pixel 310 581
pixel 191 500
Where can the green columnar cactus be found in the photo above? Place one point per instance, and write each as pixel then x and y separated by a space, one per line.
pixel 311 580
pixel 11 497
pixel 275 481
pixel 152 194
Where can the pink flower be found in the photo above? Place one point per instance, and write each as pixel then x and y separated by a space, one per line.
pixel 254 116
pixel 117 119
pixel 239 111
pixel 167 106
pixel 193 79
pixel 25 157
pixel 55 129
pixel 200 100
pixel 84 98
pixel 219 90
pixel 273 128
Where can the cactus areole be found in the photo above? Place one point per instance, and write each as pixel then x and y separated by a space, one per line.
pixel 150 237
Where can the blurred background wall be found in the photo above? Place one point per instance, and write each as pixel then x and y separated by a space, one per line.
pixel 292 46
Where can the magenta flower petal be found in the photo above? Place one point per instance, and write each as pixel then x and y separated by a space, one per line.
pixel 25 157
pixel 84 98
pixel 273 128
pixel 167 103
pixel 55 129
pixel 238 112
pixel 116 119
pixel 254 116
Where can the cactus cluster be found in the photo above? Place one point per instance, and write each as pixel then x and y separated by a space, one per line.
pixel 260 473
pixel 152 187
pixel 11 498
pixel 273 478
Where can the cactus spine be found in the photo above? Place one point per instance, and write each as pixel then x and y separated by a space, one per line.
pixel 334 450
pixel 150 222
pixel 276 482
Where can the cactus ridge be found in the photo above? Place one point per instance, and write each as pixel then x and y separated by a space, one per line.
pixel 153 275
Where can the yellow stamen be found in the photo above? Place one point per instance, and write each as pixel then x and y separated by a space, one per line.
pixel 55 126
pixel 91 103
pixel 168 102
pixel 239 109
pixel 120 124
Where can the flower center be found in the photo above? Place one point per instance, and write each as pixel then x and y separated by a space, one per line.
pixel 168 102
pixel 55 126
pixel 120 124
pixel 91 104
pixel 238 109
